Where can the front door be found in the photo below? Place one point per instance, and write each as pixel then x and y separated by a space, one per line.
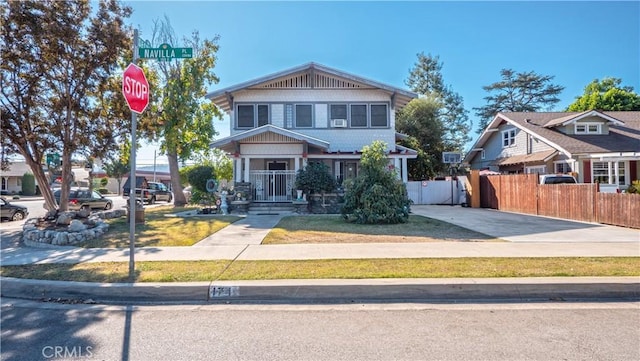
pixel 277 180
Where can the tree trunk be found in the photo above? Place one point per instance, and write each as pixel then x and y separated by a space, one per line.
pixel 67 178
pixel 178 196
pixel 43 183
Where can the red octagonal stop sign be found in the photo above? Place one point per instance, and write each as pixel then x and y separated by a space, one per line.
pixel 135 88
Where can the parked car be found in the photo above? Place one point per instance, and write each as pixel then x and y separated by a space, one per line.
pixel 13 212
pixel 83 198
pixel 557 179
pixel 148 192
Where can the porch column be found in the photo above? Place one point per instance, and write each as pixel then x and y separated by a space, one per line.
pixel 296 164
pixel 405 171
pixel 247 162
pixel 237 169
pixel 337 165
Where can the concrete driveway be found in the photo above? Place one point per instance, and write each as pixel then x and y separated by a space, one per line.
pixel 517 227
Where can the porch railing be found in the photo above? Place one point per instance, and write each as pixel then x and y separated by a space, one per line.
pixel 272 185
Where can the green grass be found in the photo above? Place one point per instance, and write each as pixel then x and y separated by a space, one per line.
pixel 333 229
pixel 161 229
pixel 191 271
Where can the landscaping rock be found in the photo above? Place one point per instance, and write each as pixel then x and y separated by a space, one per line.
pixel 77 226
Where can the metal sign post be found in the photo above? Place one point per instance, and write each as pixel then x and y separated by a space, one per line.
pixel 133 179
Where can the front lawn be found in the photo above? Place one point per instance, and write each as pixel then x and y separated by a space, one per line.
pixel 161 229
pixel 333 229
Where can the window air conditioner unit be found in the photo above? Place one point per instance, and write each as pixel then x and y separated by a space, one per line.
pixel 339 123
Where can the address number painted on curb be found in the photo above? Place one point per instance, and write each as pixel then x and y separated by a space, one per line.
pixel 222 292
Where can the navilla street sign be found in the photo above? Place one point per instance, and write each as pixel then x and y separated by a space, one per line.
pixel 165 53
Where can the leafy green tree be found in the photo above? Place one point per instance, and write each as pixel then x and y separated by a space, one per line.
pixel 606 94
pixel 425 78
pixel 199 175
pixel 56 57
pixel 420 119
pixel 185 121
pixel 315 178
pixel 518 92
pixel 376 195
pixel 117 168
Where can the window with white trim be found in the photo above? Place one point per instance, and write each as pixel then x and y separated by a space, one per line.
pixel 303 116
pixel 609 172
pixel 562 167
pixel 539 169
pixel 588 128
pixel 508 138
pixel 483 154
pixel 252 115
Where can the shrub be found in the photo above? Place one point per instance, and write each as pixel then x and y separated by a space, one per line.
pixel 28 184
pixel 376 195
pixel 102 191
pixel 315 178
pixel 634 187
pixel 104 181
pixel 199 175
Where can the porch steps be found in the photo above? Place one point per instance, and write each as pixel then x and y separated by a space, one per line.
pixel 271 208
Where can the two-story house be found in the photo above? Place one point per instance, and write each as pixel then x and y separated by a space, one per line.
pixel 281 121
pixel 597 146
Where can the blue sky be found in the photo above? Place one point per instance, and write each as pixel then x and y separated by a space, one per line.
pixel 576 42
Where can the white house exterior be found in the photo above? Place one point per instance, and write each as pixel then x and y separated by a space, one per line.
pixel 308 113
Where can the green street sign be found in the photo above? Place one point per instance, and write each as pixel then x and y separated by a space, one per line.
pixel 165 53
pixel 53 159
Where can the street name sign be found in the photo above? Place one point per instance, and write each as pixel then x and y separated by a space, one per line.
pixel 165 53
pixel 135 88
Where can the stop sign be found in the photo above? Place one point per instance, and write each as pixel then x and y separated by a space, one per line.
pixel 135 88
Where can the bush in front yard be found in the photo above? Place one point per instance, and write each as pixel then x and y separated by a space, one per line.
pixel 315 178
pixel 28 184
pixel 376 195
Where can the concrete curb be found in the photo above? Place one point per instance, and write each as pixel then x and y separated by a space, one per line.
pixel 327 290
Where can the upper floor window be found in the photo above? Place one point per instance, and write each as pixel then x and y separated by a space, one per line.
pixel 303 116
pixel 483 154
pixel 508 138
pixel 588 128
pixel 338 111
pixel 251 116
pixel 359 115
pixel 379 115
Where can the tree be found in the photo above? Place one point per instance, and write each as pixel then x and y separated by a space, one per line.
pixel 518 92
pixel 315 178
pixel 185 123
pixel 606 94
pixel 376 195
pixel 57 55
pixel 117 167
pixel 420 119
pixel 425 78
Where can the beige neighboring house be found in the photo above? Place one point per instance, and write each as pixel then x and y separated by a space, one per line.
pixel 11 178
pixel 596 146
pixel 309 113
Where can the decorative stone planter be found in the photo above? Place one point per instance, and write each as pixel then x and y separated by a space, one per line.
pixel 239 207
pixel 300 207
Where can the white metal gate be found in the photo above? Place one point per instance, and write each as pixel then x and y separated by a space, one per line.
pixel 272 185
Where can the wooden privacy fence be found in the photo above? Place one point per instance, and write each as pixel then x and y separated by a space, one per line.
pixel 522 193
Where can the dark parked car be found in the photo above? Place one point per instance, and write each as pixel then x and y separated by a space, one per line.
pixel 12 212
pixel 83 198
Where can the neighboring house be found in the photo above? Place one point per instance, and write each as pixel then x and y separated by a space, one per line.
pixel 308 113
pixel 11 178
pixel 597 146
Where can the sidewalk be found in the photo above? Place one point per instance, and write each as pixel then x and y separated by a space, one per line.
pixel 526 236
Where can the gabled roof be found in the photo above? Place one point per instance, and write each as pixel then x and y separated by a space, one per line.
pixel 269 128
pixel 309 76
pixel 624 131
